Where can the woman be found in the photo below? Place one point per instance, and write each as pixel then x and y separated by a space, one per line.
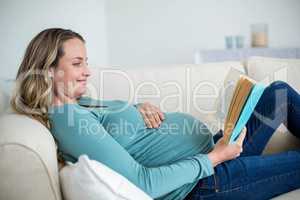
pixel 168 155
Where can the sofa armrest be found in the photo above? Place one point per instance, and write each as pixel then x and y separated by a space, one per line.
pixel 28 167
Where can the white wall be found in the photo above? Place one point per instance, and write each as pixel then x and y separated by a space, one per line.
pixel 168 31
pixel 143 32
pixel 20 21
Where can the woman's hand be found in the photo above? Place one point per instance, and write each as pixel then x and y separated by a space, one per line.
pixel 151 114
pixel 223 152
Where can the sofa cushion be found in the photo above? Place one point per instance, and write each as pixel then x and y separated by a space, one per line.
pixel 89 179
pixel 267 70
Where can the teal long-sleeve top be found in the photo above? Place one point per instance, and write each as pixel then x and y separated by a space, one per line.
pixel 165 162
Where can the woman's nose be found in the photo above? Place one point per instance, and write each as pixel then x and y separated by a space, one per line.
pixel 87 71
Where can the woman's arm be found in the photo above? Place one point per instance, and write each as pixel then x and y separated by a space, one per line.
pixel 223 151
pixel 87 136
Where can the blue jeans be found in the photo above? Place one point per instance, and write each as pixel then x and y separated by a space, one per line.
pixel 253 175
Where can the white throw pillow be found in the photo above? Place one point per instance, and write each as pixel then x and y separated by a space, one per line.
pixel 92 180
pixel 267 70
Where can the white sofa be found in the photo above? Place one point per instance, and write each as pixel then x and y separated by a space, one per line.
pixel 29 167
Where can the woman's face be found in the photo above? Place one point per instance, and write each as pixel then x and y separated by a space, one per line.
pixel 70 76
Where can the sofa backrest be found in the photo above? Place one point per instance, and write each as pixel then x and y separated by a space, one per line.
pixel 6 87
pixel 267 70
pixel 184 88
pixel 3 100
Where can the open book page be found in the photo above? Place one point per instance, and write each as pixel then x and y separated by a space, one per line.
pixel 239 98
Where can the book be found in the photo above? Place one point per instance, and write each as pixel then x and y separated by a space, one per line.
pixel 245 97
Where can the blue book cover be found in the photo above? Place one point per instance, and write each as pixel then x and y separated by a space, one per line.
pixel 248 109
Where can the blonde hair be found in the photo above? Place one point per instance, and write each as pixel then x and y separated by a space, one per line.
pixel 33 92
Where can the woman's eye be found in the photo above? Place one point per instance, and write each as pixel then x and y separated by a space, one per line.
pixel 76 64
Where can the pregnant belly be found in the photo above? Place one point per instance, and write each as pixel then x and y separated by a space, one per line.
pixel 180 135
